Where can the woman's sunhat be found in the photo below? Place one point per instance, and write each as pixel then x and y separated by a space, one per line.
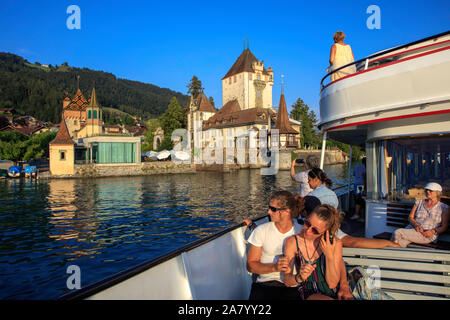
pixel 433 186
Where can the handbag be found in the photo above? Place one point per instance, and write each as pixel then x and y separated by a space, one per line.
pixel 361 285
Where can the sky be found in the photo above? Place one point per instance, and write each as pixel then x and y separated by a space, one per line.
pixel 165 43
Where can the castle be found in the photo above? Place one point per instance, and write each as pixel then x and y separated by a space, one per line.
pixel 247 105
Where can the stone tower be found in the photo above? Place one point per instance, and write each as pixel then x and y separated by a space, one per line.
pixel 248 82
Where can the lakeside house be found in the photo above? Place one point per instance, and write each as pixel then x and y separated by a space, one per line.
pixel 83 139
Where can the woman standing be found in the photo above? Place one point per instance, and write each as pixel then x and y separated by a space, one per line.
pixel 318 253
pixel 321 184
pixel 428 218
pixel 302 177
pixel 340 55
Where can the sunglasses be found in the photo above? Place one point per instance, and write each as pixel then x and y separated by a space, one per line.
pixel 307 225
pixel 273 209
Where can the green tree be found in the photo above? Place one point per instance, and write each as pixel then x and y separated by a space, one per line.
pixel 211 100
pixel 171 119
pixel 195 87
pixel 12 145
pixel 301 112
pixel 38 145
pixel 127 120
pixel 152 125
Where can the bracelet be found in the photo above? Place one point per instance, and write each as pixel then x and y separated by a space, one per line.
pixel 298 274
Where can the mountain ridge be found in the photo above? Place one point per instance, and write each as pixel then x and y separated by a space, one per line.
pixel 38 90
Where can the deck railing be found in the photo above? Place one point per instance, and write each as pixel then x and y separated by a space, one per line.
pixel 370 61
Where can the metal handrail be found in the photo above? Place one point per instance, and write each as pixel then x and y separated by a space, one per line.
pixel 366 59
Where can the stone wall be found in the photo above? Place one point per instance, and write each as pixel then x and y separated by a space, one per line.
pixel 114 170
pixel 331 156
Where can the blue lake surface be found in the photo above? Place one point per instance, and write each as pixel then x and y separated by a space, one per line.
pixel 107 225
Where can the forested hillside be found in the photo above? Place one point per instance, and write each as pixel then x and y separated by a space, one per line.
pixel 38 91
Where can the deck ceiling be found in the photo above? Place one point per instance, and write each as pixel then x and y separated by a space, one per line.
pixel 355 137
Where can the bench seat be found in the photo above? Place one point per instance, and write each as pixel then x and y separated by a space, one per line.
pixel 406 273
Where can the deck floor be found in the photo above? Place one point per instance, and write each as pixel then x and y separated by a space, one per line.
pixel 353 228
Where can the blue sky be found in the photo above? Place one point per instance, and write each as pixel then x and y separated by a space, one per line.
pixel 167 42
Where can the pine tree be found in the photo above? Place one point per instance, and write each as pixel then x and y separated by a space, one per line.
pixel 195 87
pixel 171 119
pixel 301 112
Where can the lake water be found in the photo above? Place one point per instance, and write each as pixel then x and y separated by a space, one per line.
pixel 107 225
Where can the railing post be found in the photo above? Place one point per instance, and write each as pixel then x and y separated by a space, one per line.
pixel 322 153
pixel 348 178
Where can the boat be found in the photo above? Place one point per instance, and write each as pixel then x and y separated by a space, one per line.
pixel 180 155
pixel 163 155
pixel 396 106
pixel 30 171
pixel 15 172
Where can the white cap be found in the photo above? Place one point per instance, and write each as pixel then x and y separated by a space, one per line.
pixel 433 186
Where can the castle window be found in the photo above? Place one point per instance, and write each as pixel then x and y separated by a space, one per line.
pixel 62 155
pixel 95 114
pixel 89 114
pixel 75 122
pixel 250 76
pixel 229 81
pixel 258 76
pixel 234 79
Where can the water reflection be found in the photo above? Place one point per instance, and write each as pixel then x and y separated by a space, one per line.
pixel 107 225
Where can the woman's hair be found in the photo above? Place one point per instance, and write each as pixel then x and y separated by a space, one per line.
pixel 330 215
pixel 338 36
pixel 287 200
pixel 312 161
pixel 321 175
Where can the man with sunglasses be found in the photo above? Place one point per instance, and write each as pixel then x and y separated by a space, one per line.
pixel 265 256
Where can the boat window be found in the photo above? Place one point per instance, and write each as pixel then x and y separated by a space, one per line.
pixel 404 166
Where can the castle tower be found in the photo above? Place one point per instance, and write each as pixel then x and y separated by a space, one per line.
pixel 94 123
pixel 62 152
pixel 200 109
pixel 248 82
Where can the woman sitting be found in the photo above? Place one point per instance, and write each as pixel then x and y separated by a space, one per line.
pixel 319 254
pixel 428 218
pixel 320 183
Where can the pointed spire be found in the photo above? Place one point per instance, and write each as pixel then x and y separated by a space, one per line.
pixel 93 102
pixel 282 92
pixel 282 123
pixel 63 136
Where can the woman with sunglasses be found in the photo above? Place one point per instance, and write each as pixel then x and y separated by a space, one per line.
pixel 321 184
pixel 318 253
pixel 265 256
pixel 428 218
